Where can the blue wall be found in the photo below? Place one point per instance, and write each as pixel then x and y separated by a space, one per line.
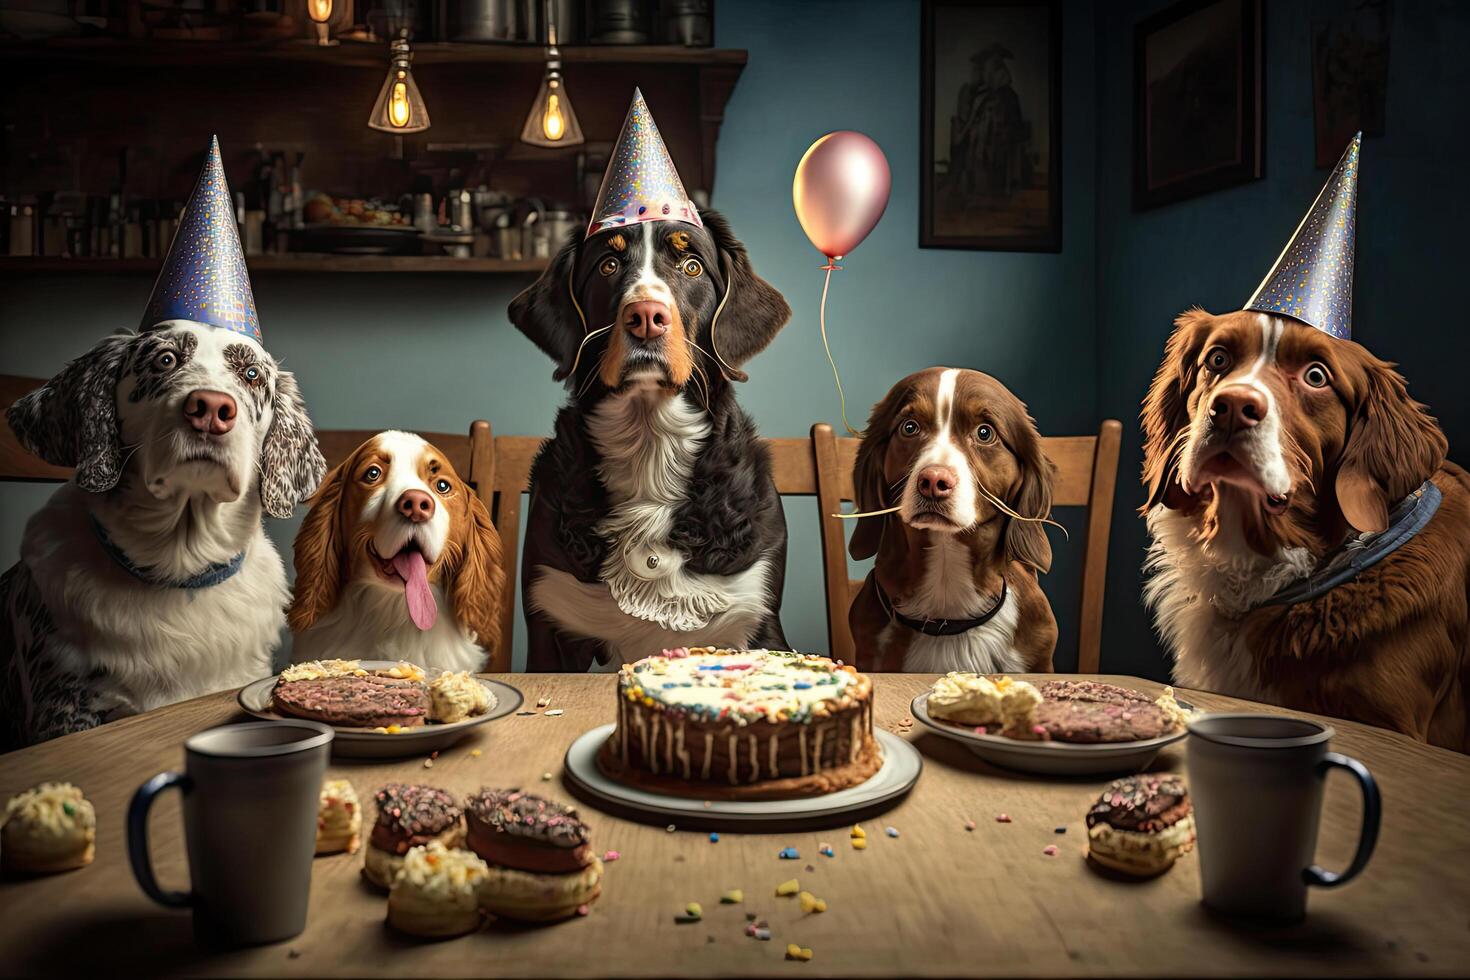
pixel 1213 250
pixel 1077 334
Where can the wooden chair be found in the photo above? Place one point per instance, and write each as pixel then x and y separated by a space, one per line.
pixel 1087 473
pixel 507 473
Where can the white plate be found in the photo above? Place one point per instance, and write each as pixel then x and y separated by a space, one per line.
pixel 364 743
pixel 895 777
pixel 1050 758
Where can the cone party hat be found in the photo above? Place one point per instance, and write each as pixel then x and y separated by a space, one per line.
pixel 203 276
pixel 641 183
pixel 1312 280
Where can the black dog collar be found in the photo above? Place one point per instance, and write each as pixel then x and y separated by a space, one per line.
pixel 938 627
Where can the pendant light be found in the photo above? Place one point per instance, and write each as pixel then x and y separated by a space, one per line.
pixel 400 108
pixel 552 121
pixel 320 12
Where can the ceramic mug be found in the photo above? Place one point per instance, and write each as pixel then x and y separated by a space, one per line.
pixel 1256 781
pixel 250 799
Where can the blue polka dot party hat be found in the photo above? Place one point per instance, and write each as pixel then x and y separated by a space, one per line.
pixel 203 276
pixel 1312 280
pixel 641 183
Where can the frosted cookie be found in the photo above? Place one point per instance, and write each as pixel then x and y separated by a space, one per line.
pixel 47 829
pixel 456 696
pixel 339 819
pixel 436 892
pixel 1141 825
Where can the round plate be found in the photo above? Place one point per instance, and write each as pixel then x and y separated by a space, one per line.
pixel 895 777
pixel 364 743
pixel 1050 758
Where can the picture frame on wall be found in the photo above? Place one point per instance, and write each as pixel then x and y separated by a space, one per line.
pixel 990 174
pixel 1198 100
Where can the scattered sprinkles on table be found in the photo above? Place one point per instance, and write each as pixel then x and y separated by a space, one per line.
pixel 891 831
pixel 795 952
pixel 732 897
pixel 811 903
pixel 1002 818
pixel 1049 850
pixel 788 888
pixel 788 854
pixel 610 856
pixel 714 838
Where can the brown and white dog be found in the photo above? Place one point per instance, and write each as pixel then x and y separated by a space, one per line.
pixel 1272 449
pixel 392 533
pixel 954 585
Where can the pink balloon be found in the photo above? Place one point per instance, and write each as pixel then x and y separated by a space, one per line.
pixel 840 191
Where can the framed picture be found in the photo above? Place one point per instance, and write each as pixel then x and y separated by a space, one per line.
pixel 991 142
pixel 1349 73
pixel 1197 100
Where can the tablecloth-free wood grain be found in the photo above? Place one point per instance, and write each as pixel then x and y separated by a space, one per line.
pixel 936 901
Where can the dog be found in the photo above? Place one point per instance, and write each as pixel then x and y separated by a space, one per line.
pixel 1276 456
pixel 954 584
pixel 654 521
pixel 392 533
pixel 148 579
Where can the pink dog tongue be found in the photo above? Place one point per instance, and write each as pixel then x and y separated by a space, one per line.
pixel 421 609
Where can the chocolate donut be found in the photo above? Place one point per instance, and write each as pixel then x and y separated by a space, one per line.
pixel 1142 824
pixel 515 829
pixel 409 815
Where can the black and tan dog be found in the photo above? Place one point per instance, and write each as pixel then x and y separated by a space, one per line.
pixel 654 519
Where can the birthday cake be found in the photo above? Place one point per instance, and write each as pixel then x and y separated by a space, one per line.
pixel 741 724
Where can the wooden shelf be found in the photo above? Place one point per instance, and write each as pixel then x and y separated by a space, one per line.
pixel 356 54
pixel 290 263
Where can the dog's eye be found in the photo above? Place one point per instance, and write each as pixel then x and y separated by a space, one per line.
pixel 609 266
pixel 252 374
pixel 1316 376
pixel 1218 360
pixel 372 474
pixel 692 268
pixel 909 427
pixel 985 434
pixel 165 360
pixel 442 485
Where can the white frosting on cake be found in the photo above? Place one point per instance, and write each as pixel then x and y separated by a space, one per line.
pixel 744 686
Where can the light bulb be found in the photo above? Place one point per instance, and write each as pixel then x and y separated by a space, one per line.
pixel 553 123
pixel 399 113
pixel 319 10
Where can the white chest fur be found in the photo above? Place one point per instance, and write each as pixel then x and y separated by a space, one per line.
pixel 1200 594
pixel 369 623
pixel 947 591
pixel 648 598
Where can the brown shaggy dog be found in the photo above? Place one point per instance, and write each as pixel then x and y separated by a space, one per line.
pixel 1274 451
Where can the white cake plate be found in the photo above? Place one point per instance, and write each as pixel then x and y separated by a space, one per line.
pixel 897 775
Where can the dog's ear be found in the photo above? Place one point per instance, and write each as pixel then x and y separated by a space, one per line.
pixel 754 309
pixel 319 553
pixel 1026 541
pixel 1393 446
pixel 545 313
pixel 71 420
pixel 479 579
pixel 869 483
pixel 1166 414
pixel 291 463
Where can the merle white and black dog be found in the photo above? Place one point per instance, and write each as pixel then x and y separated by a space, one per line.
pixel 148 579
pixel 654 519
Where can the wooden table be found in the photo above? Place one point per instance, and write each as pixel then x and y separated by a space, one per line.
pixel 936 901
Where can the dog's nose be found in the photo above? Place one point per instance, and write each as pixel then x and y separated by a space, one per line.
pixel 210 411
pixel 1237 407
pixel 647 320
pixel 937 482
pixel 416 505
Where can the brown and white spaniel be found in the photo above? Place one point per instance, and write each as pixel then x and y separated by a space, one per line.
pixel 954 584
pixel 392 536
pixel 1281 464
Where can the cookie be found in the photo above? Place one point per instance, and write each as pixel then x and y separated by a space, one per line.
pixel 354 701
pixel 1141 825
pixel 49 828
pixel 525 896
pixel 409 816
pixel 339 818
pixel 1093 691
pixel 1094 721
pixel 437 892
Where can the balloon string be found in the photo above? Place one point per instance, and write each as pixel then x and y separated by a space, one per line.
pixel 822 319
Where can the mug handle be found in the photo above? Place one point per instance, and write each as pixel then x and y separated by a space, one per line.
pixel 138 838
pixel 1367 837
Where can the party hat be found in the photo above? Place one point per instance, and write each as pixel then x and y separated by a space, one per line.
pixel 641 183
pixel 203 276
pixel 1312 280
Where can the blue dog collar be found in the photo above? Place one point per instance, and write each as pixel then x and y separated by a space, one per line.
pixel 1357 555
pixel 203 579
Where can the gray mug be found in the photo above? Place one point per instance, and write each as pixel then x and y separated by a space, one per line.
pixel 251 794
pixel 1257 781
